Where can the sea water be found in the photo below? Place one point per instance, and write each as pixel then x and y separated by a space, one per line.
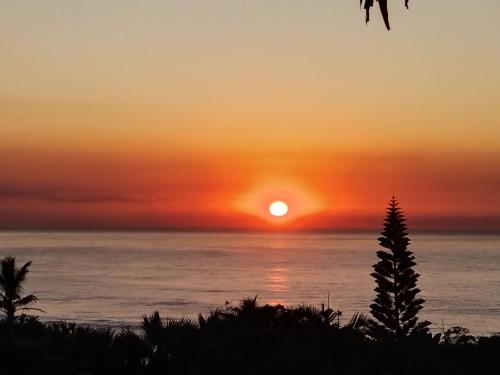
pixel 115 278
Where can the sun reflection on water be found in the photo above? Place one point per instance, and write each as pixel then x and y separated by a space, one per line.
pixel 277 280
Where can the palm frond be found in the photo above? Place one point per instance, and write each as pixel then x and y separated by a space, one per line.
pixel 27 300
pixel 20 276
pixel 30 308
pixel 174 323
pixel 358 322
pixel 368 4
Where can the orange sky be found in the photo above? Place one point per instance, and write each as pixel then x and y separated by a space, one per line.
pixel 228 191
pixel 196 114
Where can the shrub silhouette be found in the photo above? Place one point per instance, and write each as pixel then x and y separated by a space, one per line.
pixel 171 342
pixel 246 339
pixel 458 336
pixel 396 306
pixel 23 326
pixel 129 352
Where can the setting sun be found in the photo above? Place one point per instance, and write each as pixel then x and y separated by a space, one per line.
pixel 278 209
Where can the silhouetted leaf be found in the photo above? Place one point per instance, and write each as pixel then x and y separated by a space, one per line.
pixel 385 15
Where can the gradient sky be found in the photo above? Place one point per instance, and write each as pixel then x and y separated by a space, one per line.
pixel 197 114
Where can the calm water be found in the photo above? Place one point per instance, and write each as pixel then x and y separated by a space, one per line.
pixel 115 278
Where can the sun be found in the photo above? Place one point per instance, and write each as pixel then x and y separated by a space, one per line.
pixel 278 209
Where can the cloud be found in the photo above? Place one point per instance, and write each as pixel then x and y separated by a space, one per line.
pixel 63 195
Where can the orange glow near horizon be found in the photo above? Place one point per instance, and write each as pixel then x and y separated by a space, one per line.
pixel 323 191
pixel 300 201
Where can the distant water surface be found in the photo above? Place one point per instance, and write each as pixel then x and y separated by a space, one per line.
pixel 115 278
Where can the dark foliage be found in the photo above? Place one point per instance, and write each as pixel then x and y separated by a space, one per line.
pixel 458 336
pixel 23 326
pixel 129 352
pixel 245 339
pixel 11 288
pixel 383 9
pixel 171 342
pixel 396 305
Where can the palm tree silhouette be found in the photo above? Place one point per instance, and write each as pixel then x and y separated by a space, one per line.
pixel 11 280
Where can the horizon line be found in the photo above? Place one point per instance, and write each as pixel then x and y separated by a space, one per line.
pixel 325 231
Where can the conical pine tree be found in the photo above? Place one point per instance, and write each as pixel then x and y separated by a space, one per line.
pixel 396 305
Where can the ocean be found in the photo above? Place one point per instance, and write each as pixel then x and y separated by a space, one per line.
pixel 114 278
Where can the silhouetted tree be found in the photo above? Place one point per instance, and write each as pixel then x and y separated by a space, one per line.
pixel 395 307
pixel 11 280
pixel 383 9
